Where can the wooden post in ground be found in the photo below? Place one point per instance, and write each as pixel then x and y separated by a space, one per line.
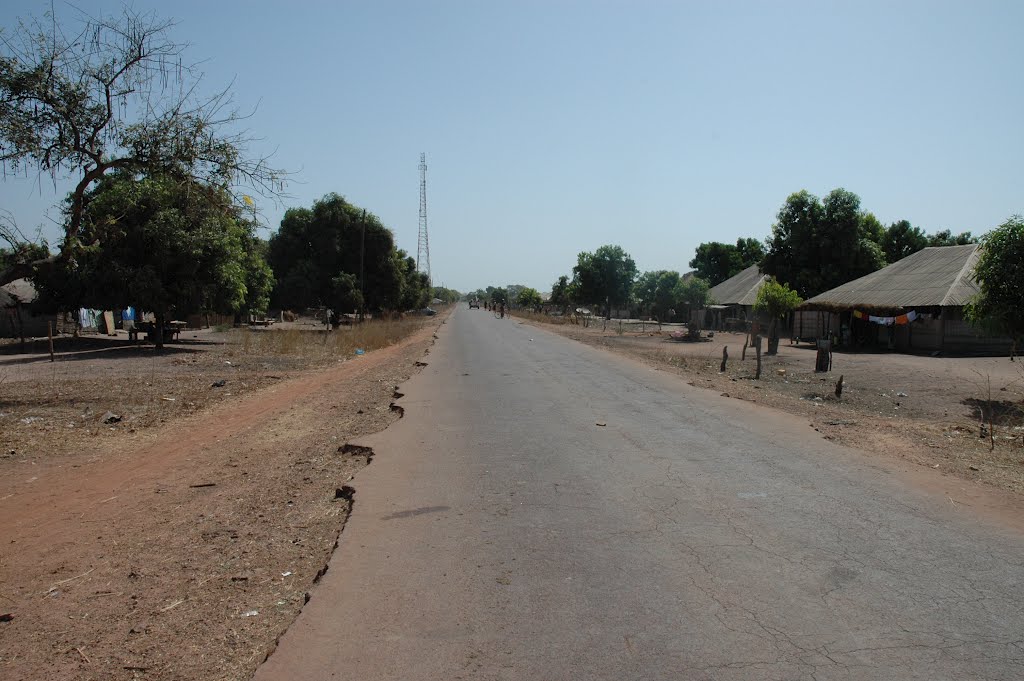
pixel 746 341
pixel 757 348
pixel 839 388
pixel 823 360
pixel 725 357
pixel 49 329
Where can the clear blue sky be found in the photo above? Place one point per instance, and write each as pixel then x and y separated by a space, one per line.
pixel 554 127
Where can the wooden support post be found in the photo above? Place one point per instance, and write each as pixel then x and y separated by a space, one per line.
pixel 757 348
pixel 725 357
pixel 839 388
pixel 49 328
pixel 823 360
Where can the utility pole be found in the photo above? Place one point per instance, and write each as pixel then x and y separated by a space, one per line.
pixel 362 257
pixel 423 248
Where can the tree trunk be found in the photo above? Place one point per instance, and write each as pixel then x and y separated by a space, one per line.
pixel 158 329
pixel 773 337
pixel 757 349
pixel 21 326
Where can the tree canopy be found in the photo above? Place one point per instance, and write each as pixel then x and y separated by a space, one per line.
pixel 1000 276
pixel 162 244
pixel 776 300
pixel 113 94
pixel 947 238
pixel 496 294
pixel 604 277
pixel 818 244
pixel 448 295
pixel 902 239
pixel 561 294
pixel 694 293
pixel 528 297
pixel 715 261
pixel 315 247
pixel 658 292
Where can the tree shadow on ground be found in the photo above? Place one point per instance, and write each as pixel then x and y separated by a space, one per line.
pixel 76 349
pixel 999 412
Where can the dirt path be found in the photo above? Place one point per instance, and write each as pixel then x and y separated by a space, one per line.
pixel 183 553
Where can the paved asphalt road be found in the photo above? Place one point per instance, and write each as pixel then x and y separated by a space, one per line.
pixel 501 534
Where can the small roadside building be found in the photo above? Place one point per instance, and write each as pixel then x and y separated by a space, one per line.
pixel 732 301
pixel 915 304
pixel 17 318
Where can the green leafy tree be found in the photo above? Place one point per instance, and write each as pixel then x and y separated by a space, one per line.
pixel 817 244
pixel 496 295
pixel 529 298
pixel 947 238
pixel 604 277
pixel 316 245
pixel 20 251
pixel 447 295
pixel 259 278
pixel 160 244
pixel 693 293
pixel 716 261
pixel 777 301
pixel 871 228
pixel 659 292
pixel 110 94
pixel 415 284
pixel 345 294
pixel 1000 276
pixel 902 239
pixel 560 293
pixel 512 292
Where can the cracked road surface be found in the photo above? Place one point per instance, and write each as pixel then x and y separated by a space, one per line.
pixel 500 533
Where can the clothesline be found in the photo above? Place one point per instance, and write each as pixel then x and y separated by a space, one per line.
pixel 886 321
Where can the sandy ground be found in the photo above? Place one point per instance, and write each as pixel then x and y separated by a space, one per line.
pixel 180 541
pixel 927 410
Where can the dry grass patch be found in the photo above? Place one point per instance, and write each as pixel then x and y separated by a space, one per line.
pixel 317 345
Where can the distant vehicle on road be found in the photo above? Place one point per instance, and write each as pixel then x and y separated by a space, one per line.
pixel 474 304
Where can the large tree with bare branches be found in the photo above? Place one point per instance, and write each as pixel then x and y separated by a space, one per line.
pixel 113 94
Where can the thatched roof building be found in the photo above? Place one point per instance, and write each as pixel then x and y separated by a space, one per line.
pixel 940 276
pixel 733 299
pixel 740 289
pixel 913 304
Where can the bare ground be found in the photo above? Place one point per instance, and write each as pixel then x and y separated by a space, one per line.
pixel 922 409
pixel 182 540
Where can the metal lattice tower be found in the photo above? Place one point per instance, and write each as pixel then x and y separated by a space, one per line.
pixel 423 249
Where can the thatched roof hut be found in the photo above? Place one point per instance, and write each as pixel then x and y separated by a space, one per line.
pixel 913 304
